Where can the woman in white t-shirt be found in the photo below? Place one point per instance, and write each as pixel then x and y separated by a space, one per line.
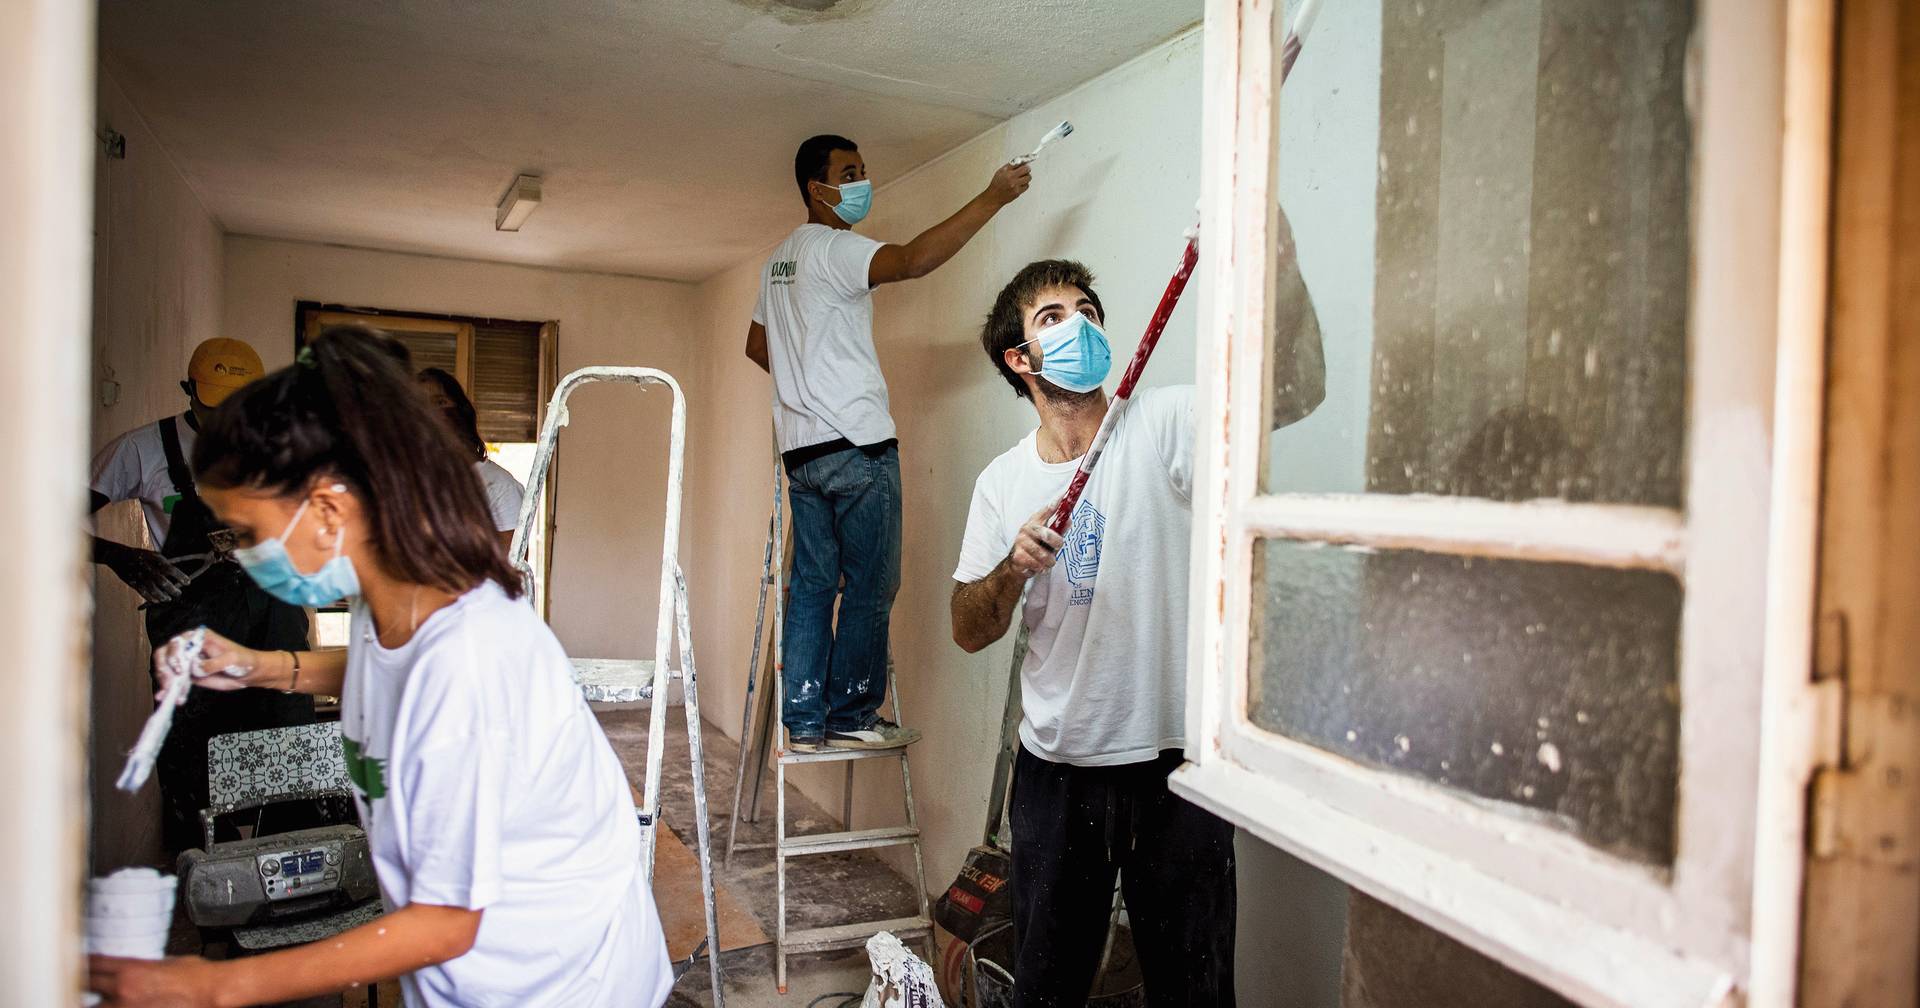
pixel 504 493
pixel 500 821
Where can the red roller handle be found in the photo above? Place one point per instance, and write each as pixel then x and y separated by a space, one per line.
pixel 1189 258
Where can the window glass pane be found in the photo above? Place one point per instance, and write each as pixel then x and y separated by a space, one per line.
pixel 1489 202
pixel 1549 688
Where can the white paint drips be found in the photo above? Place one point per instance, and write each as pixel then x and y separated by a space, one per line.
pixel 1550 756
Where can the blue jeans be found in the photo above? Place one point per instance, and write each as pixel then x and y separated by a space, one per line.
pixel 846 528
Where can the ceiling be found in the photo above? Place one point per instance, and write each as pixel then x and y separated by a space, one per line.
pixel 664 129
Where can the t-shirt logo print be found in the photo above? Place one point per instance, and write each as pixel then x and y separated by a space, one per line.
pixel 368 773
pixel 1080 556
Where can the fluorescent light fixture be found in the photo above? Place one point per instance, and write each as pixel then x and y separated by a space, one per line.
pixel 517 205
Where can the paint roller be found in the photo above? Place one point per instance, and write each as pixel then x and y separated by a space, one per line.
pixel 1189 258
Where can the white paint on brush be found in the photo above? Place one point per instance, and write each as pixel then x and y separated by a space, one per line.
pixel 1060 132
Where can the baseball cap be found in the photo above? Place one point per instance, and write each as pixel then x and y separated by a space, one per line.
pixel 220 366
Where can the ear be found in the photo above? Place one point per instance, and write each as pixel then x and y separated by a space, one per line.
pixel 825 194
pixel 333 505
pixel 1019 360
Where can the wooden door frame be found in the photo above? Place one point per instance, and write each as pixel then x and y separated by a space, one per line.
pixel 1862 900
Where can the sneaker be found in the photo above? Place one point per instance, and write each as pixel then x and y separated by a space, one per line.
pixel 881 734
pixel 806 743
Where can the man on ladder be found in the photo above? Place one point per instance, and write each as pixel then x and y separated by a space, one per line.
pixel 1103 683
pixel 813 332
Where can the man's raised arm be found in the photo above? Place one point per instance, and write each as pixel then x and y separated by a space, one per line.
pixel 939 243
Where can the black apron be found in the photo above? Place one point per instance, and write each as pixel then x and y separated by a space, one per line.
pixel 223 599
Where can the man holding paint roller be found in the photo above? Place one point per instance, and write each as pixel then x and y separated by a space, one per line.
pixel 813 332
pixel 1103 684
pixel 193 581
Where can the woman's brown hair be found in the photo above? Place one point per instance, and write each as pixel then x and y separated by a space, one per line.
pixel 347 410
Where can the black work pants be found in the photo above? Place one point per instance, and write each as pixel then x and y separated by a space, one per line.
pixel 1073 829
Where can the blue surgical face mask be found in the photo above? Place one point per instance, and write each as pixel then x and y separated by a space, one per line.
pixel 856 198
pixel 268 564
pixel 1074 354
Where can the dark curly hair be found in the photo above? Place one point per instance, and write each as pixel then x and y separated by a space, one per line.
pixel 347 410
pixel 1004 328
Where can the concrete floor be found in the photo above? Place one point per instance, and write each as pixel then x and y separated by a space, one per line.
pixel 823 890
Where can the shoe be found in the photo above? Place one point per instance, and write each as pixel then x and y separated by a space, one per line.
pixel 806 743
pixel 881 734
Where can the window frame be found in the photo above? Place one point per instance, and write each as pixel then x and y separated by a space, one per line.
pixel 1599 929
pixel 311 317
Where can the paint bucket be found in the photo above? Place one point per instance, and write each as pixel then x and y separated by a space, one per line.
pixel 991 959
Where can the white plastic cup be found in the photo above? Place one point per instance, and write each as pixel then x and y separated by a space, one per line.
pixel 152 945
pixel 122 927
pixel 131 904
pixel 132 880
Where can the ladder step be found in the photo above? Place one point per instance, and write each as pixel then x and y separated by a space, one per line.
pixel 839 755
pixel 828 843
pixel 842 936
pixel 617 680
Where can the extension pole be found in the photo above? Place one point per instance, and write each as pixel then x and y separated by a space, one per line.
pixel 1189 258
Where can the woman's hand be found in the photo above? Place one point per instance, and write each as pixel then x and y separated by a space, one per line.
pixel 186 982
pixel 223 665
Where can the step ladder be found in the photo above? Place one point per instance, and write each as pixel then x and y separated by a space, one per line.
pixel 643 681
pixel 758 725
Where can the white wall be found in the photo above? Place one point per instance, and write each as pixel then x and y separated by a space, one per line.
pixel 1117 194
pixel 612 460
pixel 46 96
pixel 157 279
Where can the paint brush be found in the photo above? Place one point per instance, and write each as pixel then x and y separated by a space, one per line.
pixel 147 750
pixel 1059 132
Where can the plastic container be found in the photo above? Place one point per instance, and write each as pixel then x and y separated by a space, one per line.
pixel 152 945
pixel 138 905
pixel 122 927
pixel 132 880
pixel 1120 987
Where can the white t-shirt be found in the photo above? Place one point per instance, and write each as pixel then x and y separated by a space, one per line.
pixel 504 494
pixel 1104 681
pixel 133 466
pixel 485 782
pixel 818 311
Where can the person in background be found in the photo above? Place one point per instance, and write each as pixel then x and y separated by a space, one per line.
pixel 191 580
pixel 504 493
pixel 813 332
pixel 498 817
